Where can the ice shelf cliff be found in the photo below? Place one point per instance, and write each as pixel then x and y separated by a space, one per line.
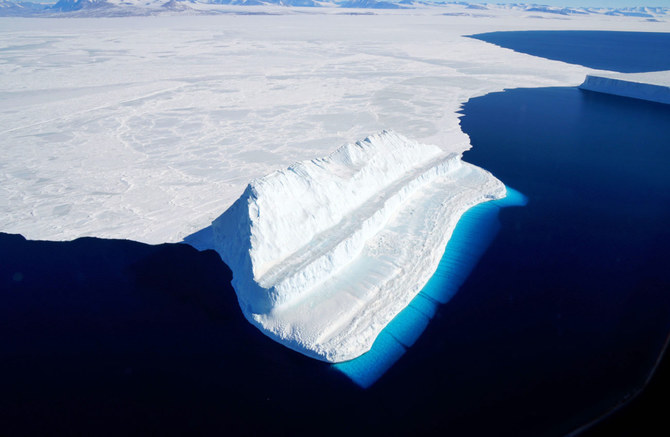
pixel 654 87
pixel 325 253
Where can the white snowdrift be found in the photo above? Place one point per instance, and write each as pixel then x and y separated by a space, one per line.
pixel 325 253
pixel 637 86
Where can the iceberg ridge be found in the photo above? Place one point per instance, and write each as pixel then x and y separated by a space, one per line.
pixel 325 253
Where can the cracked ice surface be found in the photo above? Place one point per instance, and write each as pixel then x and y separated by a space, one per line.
pixel 148 128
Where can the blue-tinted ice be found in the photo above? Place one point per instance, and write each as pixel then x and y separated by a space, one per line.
pixel 474 233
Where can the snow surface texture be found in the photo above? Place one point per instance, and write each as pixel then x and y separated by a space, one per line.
pixel 325 253
pixel 148 128
pixel 121 8
pixel 636 86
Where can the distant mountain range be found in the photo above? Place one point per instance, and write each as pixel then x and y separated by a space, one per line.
pixel 107 8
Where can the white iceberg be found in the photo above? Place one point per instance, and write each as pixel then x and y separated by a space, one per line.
pixel 325 253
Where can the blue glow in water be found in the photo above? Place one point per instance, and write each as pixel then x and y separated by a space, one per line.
pixel 407 328
pixel 425 305
pixel 369 367
pixel 473 234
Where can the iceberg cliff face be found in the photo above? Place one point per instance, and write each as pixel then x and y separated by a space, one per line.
pixel 632 85
pixel 325 253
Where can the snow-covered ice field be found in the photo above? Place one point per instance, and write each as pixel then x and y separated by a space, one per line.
pixel 148 128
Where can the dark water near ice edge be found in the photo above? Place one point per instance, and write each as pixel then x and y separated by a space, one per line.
pixel 589 252
pixel 563 315
pixel 625 52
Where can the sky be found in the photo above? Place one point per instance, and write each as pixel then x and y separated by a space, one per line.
pixel 593 3
pixel 571 3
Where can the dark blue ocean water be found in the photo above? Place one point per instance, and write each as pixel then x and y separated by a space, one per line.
pixel 586 261
pixel 562 317
pixel 625 52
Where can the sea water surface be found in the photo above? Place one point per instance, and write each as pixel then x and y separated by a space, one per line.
pixel 625 52
pixel 586 260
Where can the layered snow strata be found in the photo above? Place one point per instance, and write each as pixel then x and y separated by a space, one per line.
pixel 645 86
pixel 325 253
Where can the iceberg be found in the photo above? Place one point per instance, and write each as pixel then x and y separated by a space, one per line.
pixel 326 253
pixel 653 87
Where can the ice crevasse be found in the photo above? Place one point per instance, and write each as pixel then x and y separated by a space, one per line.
pixel 325 253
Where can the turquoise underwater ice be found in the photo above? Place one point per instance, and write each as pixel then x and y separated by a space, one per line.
pixel 473 234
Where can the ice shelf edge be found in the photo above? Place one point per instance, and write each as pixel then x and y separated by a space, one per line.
pixel 627 88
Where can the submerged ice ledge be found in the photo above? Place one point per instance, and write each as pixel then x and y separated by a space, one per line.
pixel 327 252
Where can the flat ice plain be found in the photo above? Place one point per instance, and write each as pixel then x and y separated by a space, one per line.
pixel 148 128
